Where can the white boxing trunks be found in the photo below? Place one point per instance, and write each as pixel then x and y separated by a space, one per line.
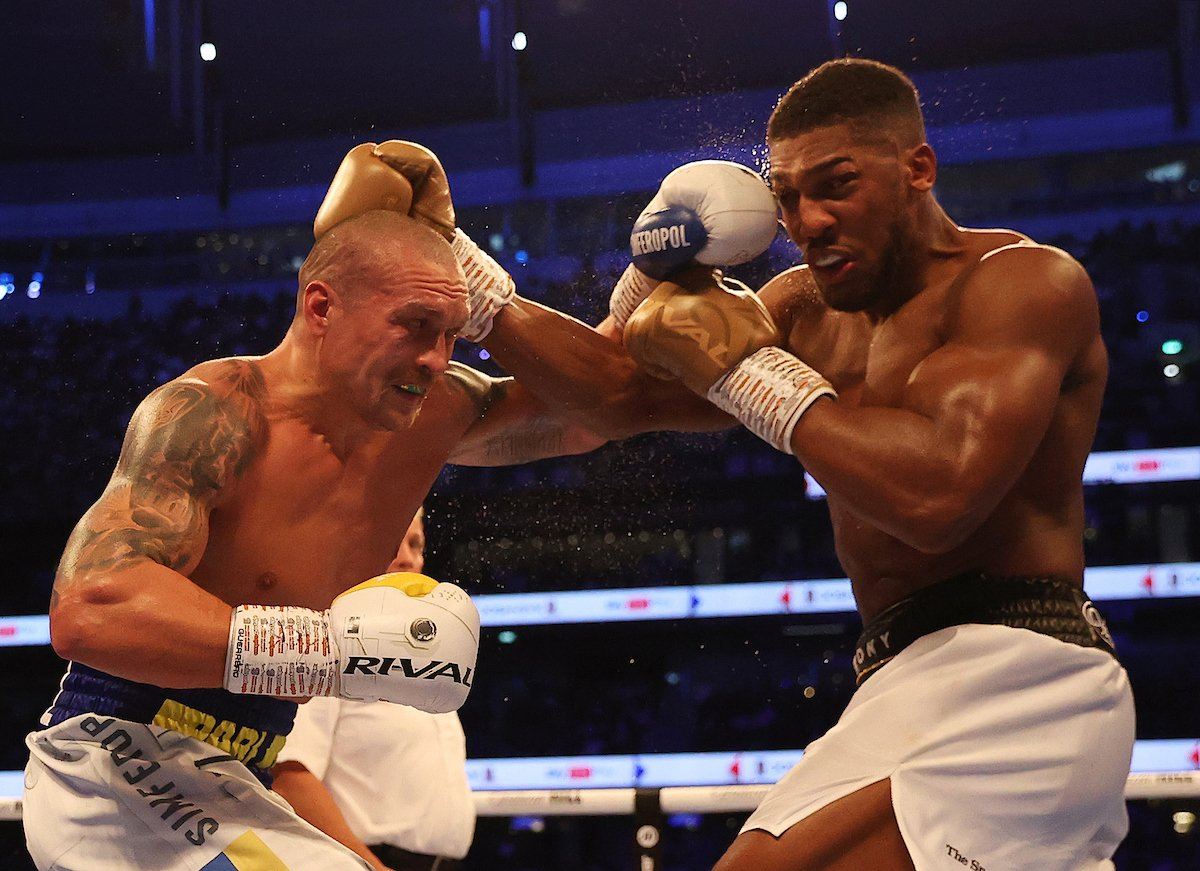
pixel 1007 749
pixel 104 793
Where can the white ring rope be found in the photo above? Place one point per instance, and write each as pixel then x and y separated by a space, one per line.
pixel 700 799
pixel 735 799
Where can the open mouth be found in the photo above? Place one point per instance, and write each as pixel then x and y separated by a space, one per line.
pixel 410 389
pixel 831 265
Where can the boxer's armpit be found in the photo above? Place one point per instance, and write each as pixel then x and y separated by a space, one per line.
pixel 187 441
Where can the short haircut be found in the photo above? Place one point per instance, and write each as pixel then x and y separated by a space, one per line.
pixel 346 255
pixel 856 91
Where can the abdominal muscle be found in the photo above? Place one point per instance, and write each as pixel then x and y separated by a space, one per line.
pixel 1017 540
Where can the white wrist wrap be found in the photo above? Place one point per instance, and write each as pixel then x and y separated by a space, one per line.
pixel 492 288
pixel 767 392
pixel 280 651
pixel 632 288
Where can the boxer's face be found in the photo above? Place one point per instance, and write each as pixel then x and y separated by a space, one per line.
pixel 389 342
pixel 845 202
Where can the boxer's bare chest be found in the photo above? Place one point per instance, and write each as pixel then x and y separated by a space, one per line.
pixel 872 364
pixel 878 365
pixel 307 521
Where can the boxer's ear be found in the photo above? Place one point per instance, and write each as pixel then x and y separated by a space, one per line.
pixel 317 299
pixel 921 163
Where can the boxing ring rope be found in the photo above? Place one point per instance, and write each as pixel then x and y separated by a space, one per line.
pixel 741 798
pixel 650 807
pixel 722 798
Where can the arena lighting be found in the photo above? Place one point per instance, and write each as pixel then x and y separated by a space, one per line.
pixel 519 41
pixel 522 257
pixel 208 52
pixel 150 30
pixel 485 30
pixel 1171 370
pixel 496 242
pixel 839 10
pixel 1167 172
pixel 1171 347
pixel 1143 316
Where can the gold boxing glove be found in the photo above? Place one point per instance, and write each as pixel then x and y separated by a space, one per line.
pixel 697 327
pixel 396 176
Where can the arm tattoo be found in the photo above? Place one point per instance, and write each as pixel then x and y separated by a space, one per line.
pixel 533 441
pixel 188 440
pixel 515 438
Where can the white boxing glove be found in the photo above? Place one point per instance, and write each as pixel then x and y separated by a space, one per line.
pixel 400 637
pixel 711 212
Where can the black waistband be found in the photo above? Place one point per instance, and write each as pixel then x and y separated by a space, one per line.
pixel 249 728
pixel 1056 607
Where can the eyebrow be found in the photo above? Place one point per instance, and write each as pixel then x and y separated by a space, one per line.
pixel 824 165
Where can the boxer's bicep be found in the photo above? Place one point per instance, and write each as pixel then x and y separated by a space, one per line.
pixel 993 388
pixel 186 442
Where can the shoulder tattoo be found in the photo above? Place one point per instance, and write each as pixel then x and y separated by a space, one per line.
pixel 187 441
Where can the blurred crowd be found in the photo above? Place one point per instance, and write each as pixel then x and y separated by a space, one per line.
pixel 660 508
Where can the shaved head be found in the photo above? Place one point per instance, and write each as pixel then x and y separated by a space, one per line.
pixel 355 253
pixel 876 99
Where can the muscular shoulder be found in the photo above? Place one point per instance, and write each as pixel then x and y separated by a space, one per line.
pixel 1028 289
pixel 793 296
pixel 1029 272
pixel 210 419
pixel 239 379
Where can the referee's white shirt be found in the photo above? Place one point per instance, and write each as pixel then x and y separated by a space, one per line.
pixel 398 775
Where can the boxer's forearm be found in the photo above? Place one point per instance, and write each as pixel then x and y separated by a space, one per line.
pixel 569 366
pixel 586 375
pixel 143 622
pixel 311 800
pixel 897 470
